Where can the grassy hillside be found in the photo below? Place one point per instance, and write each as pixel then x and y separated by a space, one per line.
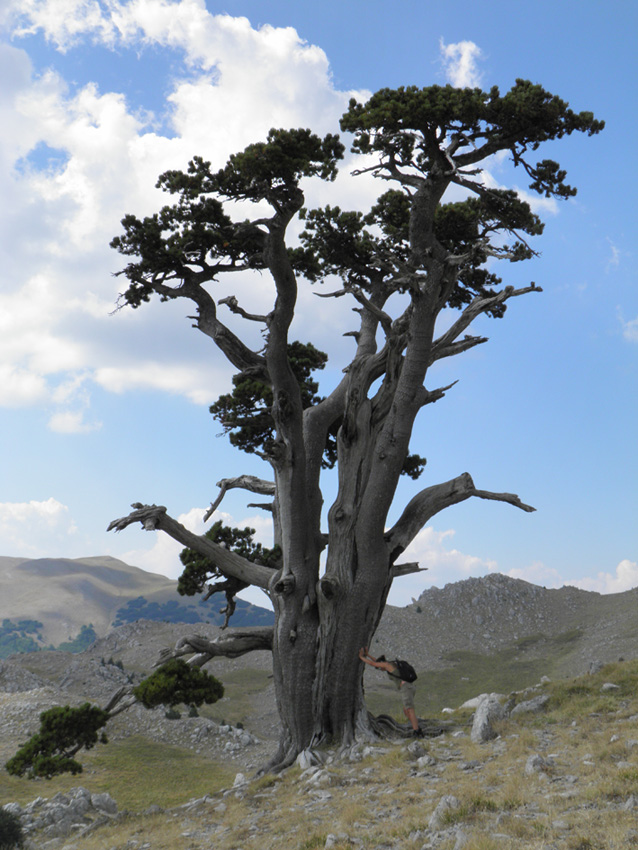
pixel 583 794
pixel 101 592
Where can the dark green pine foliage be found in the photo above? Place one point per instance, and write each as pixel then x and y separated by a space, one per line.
pixel 11 834
pixel 346 244
pixel 448 131
pixel 409 124
pixel 175 682
pixel 244 413
pixel 194 239
pixel 63 731
pixel 200 570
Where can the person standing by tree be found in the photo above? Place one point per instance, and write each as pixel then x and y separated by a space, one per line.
pixel 406 689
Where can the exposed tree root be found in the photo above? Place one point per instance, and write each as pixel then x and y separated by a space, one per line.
pixel 387 727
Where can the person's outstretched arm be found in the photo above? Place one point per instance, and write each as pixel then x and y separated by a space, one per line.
pixel 365 656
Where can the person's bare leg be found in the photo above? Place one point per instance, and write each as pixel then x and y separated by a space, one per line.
pixel 410 713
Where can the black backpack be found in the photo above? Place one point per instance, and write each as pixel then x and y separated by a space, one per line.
pixel 405 671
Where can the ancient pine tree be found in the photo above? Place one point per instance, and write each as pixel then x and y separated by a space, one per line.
pixel 437 254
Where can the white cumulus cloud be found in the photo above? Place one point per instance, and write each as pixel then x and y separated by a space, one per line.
pixel 20 387
pixel 72 422
pixel 35 529
pixel 63 21
pixel 624 578
pixel 430 548
pixel 234 83
pixel 460 63
pixel 630 329
pixel 539 574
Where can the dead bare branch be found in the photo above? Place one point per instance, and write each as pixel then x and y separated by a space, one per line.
pixel 422 507
pixel 243 482
pixel 459 346
pixel 398 570
pixel 231 644
pixel 430 396
pixel 155 518
pixel 233 305
pixel 476 307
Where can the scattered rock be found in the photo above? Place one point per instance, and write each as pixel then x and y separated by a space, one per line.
pixel 415 750
pixel 104 803
pixel 476 701
pixel 530 706
pixel 307 758
pixel 332 840
pixel 76 811
pixel 446 804
pixel 536 764
pixel 488 712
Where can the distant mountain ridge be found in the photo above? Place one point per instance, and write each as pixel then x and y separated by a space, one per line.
pixel 64 594
pixel 494 613
pixel 480 635
pixel 564 628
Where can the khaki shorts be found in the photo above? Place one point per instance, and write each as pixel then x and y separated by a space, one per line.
pixel 407 691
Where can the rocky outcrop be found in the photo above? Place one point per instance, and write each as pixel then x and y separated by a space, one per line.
pixel 568 626
pixel 14 678
pixel 74 813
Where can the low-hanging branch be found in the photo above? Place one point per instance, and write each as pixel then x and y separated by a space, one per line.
pixel 232 644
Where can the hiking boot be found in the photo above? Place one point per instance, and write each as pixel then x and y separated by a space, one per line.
pixel 417 733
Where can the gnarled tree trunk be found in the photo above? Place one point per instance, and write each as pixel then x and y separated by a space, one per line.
pixel 412 253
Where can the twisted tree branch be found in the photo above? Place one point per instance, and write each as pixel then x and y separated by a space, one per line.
pixel 232 644
pixel 243 482
pixel 434 499
pixel 480 304
pixel 155 518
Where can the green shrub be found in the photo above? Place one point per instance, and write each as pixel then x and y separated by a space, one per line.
pixel 63 731
pixel 10 831
pixel 175 682
pixel 82 641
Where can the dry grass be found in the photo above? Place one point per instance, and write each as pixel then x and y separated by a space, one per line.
pixel 386 800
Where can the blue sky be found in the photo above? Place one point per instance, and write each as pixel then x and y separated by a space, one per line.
pixel 100 409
